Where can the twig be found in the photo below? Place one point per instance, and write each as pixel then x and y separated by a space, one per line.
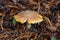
pixel 21 36
pixel 29 36
pixel 2 19
pixel 51 27
pixel 38 6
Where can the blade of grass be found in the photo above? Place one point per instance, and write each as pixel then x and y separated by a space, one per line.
pixel 14 21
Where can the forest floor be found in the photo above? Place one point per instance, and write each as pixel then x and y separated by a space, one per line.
pixel 49 29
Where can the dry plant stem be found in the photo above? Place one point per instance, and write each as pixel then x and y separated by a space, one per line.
pixel 39 35
pixel 29 37
pixel 17 38
pixel 58 17
pixel 21 36
pixel 3 35
pixel 49 24
pixel 2 21
pixel 38 6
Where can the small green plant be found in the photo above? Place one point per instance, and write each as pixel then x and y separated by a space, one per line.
pixel 14 21
pixel 53 38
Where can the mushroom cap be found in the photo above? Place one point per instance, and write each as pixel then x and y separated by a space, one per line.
pixel 28 16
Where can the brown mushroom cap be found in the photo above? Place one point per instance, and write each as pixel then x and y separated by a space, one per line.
pixel 28 16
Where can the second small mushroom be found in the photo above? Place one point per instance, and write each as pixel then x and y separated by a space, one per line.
pixel 31 17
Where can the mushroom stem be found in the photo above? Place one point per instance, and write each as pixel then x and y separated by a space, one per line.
pixel 38 23
pixel 28 26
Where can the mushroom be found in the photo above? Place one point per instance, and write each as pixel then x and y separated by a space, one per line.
pixel 31 17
